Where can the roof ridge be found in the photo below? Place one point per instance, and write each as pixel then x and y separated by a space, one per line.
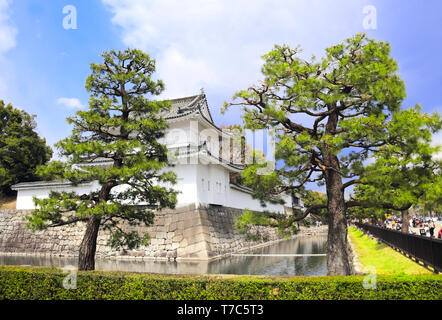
pixel 183 98
pixel 208 109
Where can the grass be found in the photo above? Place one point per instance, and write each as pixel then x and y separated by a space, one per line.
pixel 381 256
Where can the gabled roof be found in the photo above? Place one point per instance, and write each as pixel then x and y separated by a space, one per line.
pixel 189 106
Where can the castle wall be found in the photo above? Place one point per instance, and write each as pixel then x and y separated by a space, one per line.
pixel 187 232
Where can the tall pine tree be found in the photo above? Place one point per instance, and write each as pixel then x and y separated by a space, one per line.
pixel 330 115
pixel 121 126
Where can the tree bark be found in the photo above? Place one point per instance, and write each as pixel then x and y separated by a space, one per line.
pixel 86 258
pixel 405 222
pixel 338 261
pixel 338 249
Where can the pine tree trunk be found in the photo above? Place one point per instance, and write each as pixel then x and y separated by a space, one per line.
pixel 338 257
pixel 405 218
pixel 338 249
pixel 86 258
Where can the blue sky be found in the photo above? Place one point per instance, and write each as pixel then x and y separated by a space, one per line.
pixel 198 43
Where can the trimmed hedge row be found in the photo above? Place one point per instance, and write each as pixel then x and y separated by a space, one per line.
pixel 20 283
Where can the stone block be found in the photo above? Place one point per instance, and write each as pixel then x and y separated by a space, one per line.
pixel 180 225
pixel 199 237
pixel 196 221
pixel 183 243
pixel 161 235
pixel 172 227
pixel 188 223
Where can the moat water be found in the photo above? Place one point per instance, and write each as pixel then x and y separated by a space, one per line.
pixel 262 261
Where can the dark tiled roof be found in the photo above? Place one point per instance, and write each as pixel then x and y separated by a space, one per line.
pixel 186 106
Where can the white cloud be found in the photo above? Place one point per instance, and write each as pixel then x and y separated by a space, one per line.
pixel 182 83
pixel 71 103
pixel 218 44
pixel 8 32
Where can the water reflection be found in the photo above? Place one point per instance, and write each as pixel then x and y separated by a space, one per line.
pixel 255 265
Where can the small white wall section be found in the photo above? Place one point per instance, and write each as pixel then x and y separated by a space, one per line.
pixel 243 200
pixel 214 188
pixel 25 196
pixel 186 183
pixel 213 184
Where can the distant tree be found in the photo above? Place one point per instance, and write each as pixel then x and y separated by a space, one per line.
pixel 405 174
pixel 239 151
pixel 311 198
pixel 428 207
pixel 123 126
pixel 372 213
pixel 349 97
pixel 21 149
pixel 237 147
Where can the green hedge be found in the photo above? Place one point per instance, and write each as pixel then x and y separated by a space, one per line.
pixel 20 283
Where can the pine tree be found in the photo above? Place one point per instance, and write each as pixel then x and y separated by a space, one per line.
pixel 330 115
pixel 121 126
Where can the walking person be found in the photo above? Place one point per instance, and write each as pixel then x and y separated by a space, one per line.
pixel 432 226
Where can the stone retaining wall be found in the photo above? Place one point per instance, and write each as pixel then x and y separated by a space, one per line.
pixel 188 232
